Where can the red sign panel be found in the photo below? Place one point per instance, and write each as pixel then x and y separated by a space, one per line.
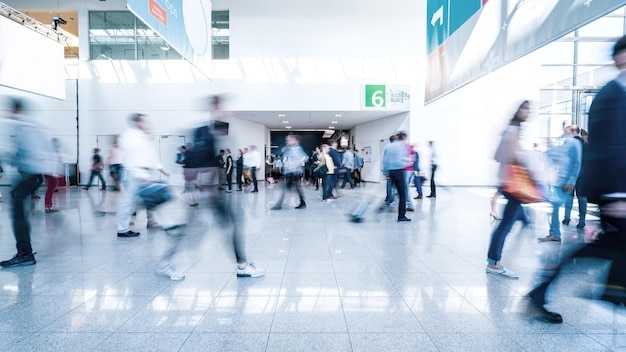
pixel 158 12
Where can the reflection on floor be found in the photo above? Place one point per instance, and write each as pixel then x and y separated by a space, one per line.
pixel 331 285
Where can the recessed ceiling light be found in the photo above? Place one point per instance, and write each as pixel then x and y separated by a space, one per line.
pixel 285 121
pixel 338 115
pixel 331 127
pixel 334 121
pixel 281 115
pixel 288 127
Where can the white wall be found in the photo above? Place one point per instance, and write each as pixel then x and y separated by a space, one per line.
pixel 466 124
pixel 372 133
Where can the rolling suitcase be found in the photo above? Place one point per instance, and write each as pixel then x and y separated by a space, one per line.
pixel 359 213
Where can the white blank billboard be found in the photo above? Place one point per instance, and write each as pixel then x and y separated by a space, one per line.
pixel 31 61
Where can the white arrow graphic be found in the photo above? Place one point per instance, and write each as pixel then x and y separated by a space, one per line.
pixel 438 15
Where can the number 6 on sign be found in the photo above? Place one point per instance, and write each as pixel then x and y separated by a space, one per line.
pixel 375 96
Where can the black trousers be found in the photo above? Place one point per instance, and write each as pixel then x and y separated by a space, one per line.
pixel 610 246
pixel 229 179
pixel 254 181
pixel 239 178
pixel 21 227
pixel 291 179
pixel 397 177
pixel 433 187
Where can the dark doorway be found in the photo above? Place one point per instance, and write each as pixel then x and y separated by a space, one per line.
pixel 310 140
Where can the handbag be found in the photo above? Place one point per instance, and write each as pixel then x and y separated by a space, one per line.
pixel 321 170
pixel 153 194
pixel 520 186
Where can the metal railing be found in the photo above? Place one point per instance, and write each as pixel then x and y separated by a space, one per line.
pixel 31 23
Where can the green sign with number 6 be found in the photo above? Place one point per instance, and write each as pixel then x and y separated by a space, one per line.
pixel 375 96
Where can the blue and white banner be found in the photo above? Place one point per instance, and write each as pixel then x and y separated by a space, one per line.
pixel 184 24
pixel 467 39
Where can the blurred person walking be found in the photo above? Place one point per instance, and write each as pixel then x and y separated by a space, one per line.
pixel 408 170
pixel 433 168
pixel 605 182
pixel 294 159
pixel 140 160
pixel 208 194
pixel 239 166
pixel 315 162
pixel 507 154
pixel 30 153
pixel 347 162
pixel 114 160
pixel 221 159
pixel 358 166
pixel 417 177
pixel 52 180
pixel 329 176
pixel 97 165
pixel 395 160
pixel 229 171
pixel 567 158
pixel 253 160
pixel 580 190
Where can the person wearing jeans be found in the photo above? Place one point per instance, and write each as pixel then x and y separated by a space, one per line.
pixel 96 170
pixel 329 178
pixel 567 158
pixel 507 154
pixel 580 190
pixel 395 160
pixel 433 169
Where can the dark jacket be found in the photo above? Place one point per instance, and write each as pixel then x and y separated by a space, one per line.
pixel 605 161
pixel 581 189
pixel 203 151
pixel 334 154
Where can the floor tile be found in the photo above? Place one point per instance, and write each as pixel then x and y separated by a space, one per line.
pixel 330 284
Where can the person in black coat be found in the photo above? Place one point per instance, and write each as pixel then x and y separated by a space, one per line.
pixel 604 183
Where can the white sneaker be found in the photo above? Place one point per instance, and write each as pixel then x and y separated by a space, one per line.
pixel 250 271
pixel 169 271
pixel 502 272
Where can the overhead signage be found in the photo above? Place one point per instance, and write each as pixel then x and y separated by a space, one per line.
pixel 467 39
pixel 386 97
pixel 184 24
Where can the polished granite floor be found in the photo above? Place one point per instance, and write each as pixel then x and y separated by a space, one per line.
pixel 331 285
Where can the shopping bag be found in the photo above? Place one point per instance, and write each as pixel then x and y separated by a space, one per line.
pixel 321 170
pixel 153 194
pixel 520 186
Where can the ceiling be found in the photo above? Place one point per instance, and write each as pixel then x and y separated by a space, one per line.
pixel 70 29
pixel 312 120
pixel 45 17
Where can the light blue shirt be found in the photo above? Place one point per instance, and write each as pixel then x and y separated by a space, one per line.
pixel 395 157
pixel 31 150
pixel 567 159
pixel 294 158
pixel 348 160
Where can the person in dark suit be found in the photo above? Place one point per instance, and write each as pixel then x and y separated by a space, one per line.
pixel 604 176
